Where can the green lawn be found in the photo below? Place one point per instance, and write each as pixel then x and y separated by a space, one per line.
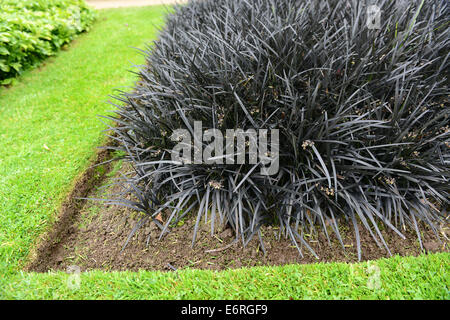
pixel 56 106
pixel 48 135
pixel 423 277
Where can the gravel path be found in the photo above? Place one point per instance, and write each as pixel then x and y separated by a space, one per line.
pixel 103 4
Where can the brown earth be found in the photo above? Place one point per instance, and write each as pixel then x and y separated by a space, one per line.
pixel 70 211
pixel 90 235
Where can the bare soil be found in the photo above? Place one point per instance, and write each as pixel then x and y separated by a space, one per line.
pixel 90 235
pixel 70 212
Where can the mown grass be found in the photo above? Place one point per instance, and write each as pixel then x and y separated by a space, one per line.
pixel 49 127
pixel 56 106
pixel 423 277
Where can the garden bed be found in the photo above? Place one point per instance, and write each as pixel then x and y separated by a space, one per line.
pixel 90 234
pixel 48 137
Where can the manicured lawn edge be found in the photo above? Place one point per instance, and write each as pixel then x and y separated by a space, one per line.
pixel 49 125
pixel 423 277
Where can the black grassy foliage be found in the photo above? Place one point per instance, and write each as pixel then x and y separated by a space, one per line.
pixel 363 116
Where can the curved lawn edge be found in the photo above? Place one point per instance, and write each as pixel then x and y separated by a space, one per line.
pixel 422 277
pixel 49 128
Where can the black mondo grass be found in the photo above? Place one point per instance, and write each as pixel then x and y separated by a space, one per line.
pixel 362 113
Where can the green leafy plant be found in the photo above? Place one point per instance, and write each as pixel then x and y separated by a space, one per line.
pixel 31 30
pixel 362 113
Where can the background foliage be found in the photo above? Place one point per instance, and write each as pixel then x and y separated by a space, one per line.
pixel 31 30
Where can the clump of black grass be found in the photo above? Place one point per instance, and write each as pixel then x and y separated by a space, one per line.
pixel 363 116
